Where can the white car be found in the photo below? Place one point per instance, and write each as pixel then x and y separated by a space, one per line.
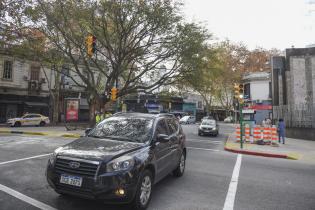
pixel 208 127
pixel 29 119
pixel 229 119
pixel 187 120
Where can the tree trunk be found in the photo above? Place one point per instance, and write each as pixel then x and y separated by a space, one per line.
pixel 56 107
pixel 56 97
pixel 94 105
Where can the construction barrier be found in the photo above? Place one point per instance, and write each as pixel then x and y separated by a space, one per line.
pixel 267 134
pixel 275 137
pixel 247 133
pixel 257 133
pixel 238 133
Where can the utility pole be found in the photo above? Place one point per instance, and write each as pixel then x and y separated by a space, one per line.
pixel 239 95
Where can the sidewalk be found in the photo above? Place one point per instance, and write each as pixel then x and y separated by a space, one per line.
pixel 294 149
pixel 54 131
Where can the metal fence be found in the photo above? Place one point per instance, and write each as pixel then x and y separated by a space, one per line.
pixel 296 116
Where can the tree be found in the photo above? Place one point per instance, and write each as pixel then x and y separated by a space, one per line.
pixel 206 69
pixel 135 39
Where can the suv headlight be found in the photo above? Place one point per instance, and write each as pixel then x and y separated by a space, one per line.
pixel 53 156
pixel 120 164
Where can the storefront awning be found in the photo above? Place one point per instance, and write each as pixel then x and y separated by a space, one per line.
pixel 35 104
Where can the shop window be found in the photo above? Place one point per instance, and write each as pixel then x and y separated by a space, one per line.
pixel 7 70
pixel 35 73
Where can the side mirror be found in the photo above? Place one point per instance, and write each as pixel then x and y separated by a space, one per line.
pixel 87 131
pixel 162 138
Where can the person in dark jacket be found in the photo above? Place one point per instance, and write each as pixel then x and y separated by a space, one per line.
pixel 281 130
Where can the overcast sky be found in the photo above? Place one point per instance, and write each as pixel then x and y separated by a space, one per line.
pixel 266 23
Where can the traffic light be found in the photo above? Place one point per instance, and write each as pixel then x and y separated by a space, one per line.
pixel 94 44
pixel 236 90
pixel 90 45
pixel 239 91
pixel 114 94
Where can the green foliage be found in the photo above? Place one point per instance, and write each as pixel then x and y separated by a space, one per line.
pixel 135 39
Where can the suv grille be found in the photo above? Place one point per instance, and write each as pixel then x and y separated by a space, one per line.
pixel 85 169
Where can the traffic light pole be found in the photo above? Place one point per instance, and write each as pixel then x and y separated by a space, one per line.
pixel 241 124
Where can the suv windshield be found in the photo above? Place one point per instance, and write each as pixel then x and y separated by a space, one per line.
pixel 208 122
pixel 121 128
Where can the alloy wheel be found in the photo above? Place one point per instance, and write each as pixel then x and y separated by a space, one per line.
pixel 145 190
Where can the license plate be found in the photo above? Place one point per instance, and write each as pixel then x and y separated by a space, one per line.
pixel 71 180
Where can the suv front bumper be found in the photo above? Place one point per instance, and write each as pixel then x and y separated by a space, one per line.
pixel 101 187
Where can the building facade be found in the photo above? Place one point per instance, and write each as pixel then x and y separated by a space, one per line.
pixel 27 86
pixel 257 94
pixel 23 87
pixel 293 79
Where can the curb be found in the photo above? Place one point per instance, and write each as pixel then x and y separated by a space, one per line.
pixel 263 154
pixel 246 152
pixel 26 132
pixel 67 135
pixel 71 135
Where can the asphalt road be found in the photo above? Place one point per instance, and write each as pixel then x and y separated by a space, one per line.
pixel 262 183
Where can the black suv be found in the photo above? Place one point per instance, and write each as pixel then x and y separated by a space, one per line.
pixel 120 159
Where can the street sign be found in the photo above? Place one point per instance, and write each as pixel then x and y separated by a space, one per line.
pixel 248 111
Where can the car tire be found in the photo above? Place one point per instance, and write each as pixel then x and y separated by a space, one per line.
pixel 144 191
pixel 17 124
pixel 199 134
pixel 179 171
pixel 216 134
pixel 42 124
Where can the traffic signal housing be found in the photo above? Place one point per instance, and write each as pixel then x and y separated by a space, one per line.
pixel 239 92
pixel 113 95
pixel 90 45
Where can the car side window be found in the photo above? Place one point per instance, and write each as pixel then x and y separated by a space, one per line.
pixel 172 126
pixel 161 127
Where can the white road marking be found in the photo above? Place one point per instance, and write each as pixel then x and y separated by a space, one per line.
pixel 22 159
pixel 19 142
pixel 25 198
pixel 230 197
pixel 204 141
pixel 213 150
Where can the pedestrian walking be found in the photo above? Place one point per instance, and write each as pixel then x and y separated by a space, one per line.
pixel 281 131
pixel 264 123
pixel 97 118
pixel 268 122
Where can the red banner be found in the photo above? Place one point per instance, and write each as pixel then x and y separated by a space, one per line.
pixel 260 107
pixel 72 111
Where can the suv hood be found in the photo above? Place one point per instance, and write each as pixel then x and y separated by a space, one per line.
pixel 97 149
